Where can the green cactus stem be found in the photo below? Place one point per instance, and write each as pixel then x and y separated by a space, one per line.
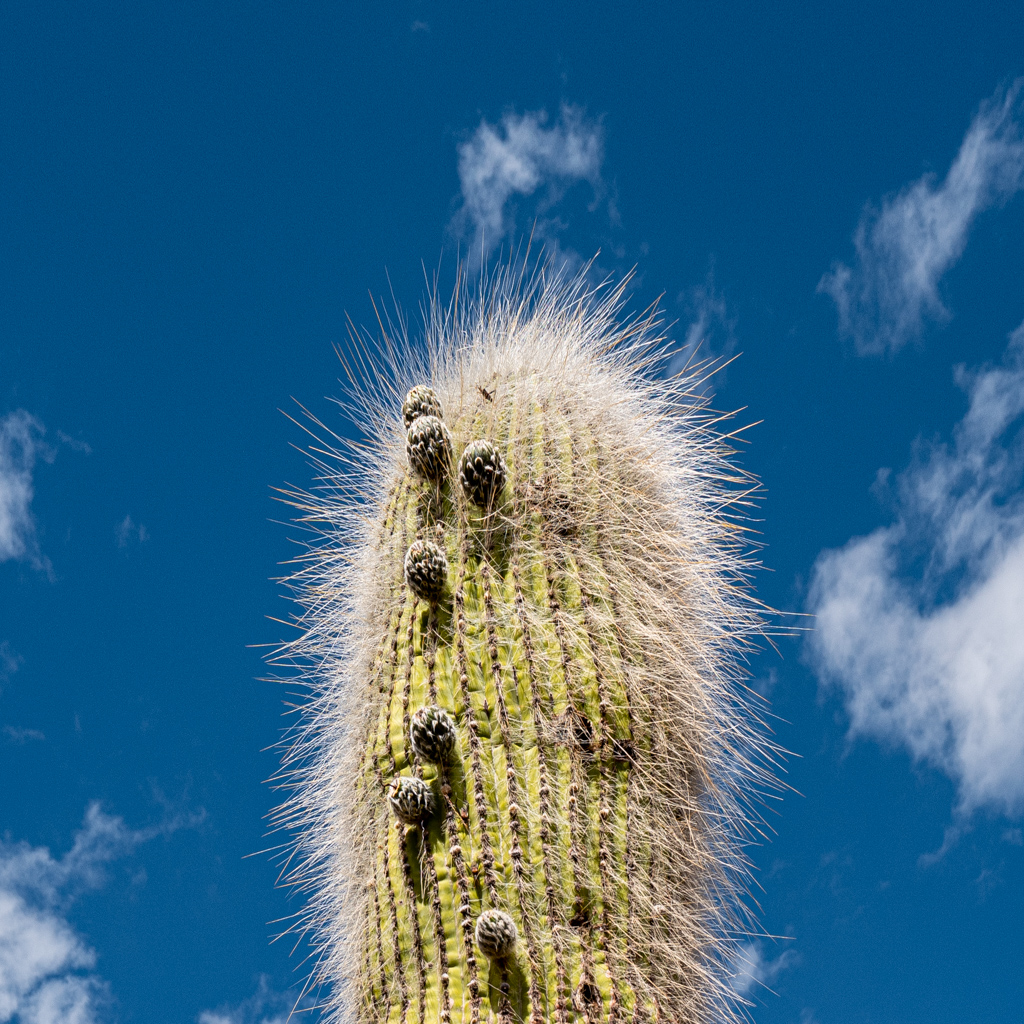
pixel 527 735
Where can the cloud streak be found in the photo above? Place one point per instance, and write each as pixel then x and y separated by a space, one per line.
pixel 20 445
pixel 919 623
pixel 753 969
pixel 523 156
pixel 264 1006
pixel 904 248
pixel 47 970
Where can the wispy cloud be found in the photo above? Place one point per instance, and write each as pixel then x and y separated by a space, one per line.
pixel 711 333
pixel 919 623
pixel 753 969
pixel 16 734
pixel 524 156
pixel 905 247
pixel 20 446
pixel 129 532
pixel 10 661
pixel 47 970
pixel 74 443
pixel 264 1006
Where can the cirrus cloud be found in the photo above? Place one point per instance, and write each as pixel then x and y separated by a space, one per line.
pixel 524 155
pixel 904 247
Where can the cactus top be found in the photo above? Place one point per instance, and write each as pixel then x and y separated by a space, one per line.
pixel 482 472
pixel 421 401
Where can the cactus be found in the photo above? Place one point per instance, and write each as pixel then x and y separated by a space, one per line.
pixel 527 733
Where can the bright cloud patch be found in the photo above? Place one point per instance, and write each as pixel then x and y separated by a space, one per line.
pixel 920 623
pixel 521 156
pixel 753 969
pixel 20 446
pixel 46 969
pixel 904 248
pixel 264 1006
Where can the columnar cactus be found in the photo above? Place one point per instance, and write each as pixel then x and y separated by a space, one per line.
pixel 523 779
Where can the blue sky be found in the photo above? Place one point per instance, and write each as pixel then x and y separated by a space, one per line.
pixel 192 197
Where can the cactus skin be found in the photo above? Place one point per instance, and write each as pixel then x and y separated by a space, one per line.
pixel 605 766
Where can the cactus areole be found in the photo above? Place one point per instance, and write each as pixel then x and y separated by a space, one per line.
pixel 523 780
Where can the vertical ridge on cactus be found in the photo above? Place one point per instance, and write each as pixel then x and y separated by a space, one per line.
pixel 567 700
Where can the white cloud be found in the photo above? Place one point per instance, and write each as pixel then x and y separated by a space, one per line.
pixel 129 532
pixel 47 970
pixel 753 969
pixel 904 248
pixel 920 622
pixel 523 156
pixel 20 446
pixel 264 1006
pixel 711 334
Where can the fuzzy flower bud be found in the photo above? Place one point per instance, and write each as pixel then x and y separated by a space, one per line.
pixel 411 799
pixel 482 472
pixel 421 401
pixel 429 447
pixel 432 734
pixel 426 570
pixel 495 934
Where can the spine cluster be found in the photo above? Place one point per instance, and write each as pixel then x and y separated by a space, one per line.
pixel 523 780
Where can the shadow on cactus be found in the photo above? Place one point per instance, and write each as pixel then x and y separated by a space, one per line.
pixel 527 768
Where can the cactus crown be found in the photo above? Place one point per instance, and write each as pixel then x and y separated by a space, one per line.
pixel 601 765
